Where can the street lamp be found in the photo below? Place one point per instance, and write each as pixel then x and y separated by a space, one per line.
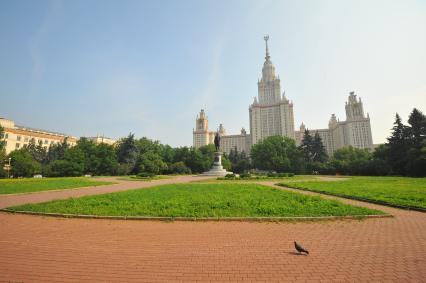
pixel 8 168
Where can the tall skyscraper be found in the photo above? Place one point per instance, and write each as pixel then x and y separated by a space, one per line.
pixel 272 114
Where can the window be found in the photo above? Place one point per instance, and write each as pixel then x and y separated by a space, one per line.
pixel 26 139
pixel 7 136
pixel 46 141
pixel 17 145
pixel 18 138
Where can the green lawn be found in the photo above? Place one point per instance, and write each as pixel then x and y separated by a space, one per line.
pixel 201 200
pixel 13 186
pixel 393 190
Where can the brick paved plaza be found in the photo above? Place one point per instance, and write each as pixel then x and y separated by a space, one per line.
pixel 47 249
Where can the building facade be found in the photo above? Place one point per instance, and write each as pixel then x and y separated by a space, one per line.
pixel 271 114
pixel 101 139
pixel 17 136
pixel 354 131
pixel 201 134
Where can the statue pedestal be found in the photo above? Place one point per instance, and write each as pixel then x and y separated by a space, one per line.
pixel 217 168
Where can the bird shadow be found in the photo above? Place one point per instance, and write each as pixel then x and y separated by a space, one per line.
pixel 294 253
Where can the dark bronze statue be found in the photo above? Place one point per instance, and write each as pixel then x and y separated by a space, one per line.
pixel 217 141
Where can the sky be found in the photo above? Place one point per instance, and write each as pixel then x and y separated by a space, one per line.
pixel 147 67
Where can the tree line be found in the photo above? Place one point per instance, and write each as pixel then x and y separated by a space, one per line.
pixel 128 156
pixel 404 154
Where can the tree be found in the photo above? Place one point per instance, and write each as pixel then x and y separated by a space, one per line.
pixel 179 168
pixel 277 153
pixel 56 151
pixel 351 161
pixel 168 153
pixel 417 121
pixel 239 160
pixel 106 160
pixel 2 141
pixel 318 149
pixel 127 151
pixel 416 155
pixel 144 145
pixel 196 161
pixel 399 143
pixel 306 146
pixel 23 163
pixel 314 153
pixel 62 168
pixel 2 153
pixel 380 165
pixel 38 152
pixel 89 150
pixel 151 162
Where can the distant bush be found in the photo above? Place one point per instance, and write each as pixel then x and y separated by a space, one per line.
pixel 124 169
pixel 230 176
pixel 279 175
pixel 145 175
pixel 179 168
pixel 245 176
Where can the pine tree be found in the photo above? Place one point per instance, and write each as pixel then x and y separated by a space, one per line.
pixel 398 146
pixel 417 121
pixel 306 146
pixel 416 152
pixel 127 150
pixel 318 149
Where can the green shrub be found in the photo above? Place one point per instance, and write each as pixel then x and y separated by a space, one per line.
pixel 230 176
pixel 179 168
pixel 245 176
pixel 145 175
pixel 279 175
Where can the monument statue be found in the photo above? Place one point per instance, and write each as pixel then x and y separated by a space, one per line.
pixel 217 141
pixel 217 168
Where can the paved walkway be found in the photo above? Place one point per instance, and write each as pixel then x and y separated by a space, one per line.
pixel 34 248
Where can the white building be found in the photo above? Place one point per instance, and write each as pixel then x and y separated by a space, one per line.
pixel 201 134
pixel 102 139
pixel 272 114
pixel 17 136
pixel 354 131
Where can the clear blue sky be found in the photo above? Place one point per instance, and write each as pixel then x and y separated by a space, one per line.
pixel 147 67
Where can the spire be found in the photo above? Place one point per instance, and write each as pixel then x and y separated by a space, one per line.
pixel 268 70
pixel 266 38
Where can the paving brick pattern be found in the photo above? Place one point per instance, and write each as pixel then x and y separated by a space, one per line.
pixel 45 249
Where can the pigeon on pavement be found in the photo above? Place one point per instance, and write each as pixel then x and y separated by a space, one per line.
pixel 299 248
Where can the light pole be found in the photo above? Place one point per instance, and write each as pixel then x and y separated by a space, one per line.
pixel 8 168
